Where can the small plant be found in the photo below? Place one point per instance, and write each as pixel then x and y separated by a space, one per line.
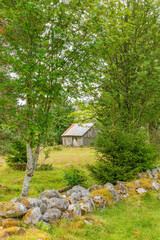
pixel 57 148
pixel 74 176
pixel 44 167
pixel 81 146
pixel 17 156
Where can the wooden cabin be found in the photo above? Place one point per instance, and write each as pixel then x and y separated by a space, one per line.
pixel 79 135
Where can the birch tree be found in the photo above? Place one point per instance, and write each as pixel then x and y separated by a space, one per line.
pixel 41 44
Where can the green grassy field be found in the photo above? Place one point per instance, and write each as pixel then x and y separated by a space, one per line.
pixel 11 181
pixel 135 218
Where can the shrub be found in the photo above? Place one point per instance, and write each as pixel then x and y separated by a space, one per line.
pixel 74 176
pixel 81 146
pixel 121 155
pixel 17 155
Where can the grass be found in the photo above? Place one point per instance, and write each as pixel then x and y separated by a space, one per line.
pixel 11 181
pixel 135 218
pixel 75 156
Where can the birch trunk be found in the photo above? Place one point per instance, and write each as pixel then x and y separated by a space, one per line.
pixel 31 166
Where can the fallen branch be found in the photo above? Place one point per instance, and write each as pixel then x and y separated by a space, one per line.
pixel 65 189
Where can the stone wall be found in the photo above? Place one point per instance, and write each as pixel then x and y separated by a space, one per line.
pixel 52 206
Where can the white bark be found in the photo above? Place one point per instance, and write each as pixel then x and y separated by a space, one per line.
pixel 31 166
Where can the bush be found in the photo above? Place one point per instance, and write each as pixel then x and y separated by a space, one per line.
pixel 17 155
pixel 81 146
pixel 74 176
pixel 121 155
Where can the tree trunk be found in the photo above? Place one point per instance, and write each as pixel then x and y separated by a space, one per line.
pixel 31 166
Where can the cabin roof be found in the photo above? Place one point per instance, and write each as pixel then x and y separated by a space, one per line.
pixel 77 130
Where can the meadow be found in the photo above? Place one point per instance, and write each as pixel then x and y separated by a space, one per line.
pixel 11 181
pixel 134 218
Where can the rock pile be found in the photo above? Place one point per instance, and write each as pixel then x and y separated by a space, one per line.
pixel 51 205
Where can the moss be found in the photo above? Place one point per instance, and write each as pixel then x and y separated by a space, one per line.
pixel 67 198
pixel 28 215
pixel 11 231
pixel 131 187
pixel 33 234
pixel 143 183
pixel 5 206
pixel 146 183
pixel 78 224
pixel 26 202
pixel 10 223
pixel 104 193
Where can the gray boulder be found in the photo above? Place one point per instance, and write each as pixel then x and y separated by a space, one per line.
pixel 31 202
pixel 78 189
pixel 67 215
pixel 34 202
pixel 76 209
pixel 51 215
pixel 154 173
pixel 45 200
pixel 158 169
pixel 12 209
pixel 115 195
pixel 137 182
pixel 140 190
pixel 75 197
pixel 17 199
pixel 122 188
pixel 33 216
pixel 59 203
pixel 109 186
pixel 149 173
pixel 50 194
pixel 94 187
pixel 99 201
pixel 87 205
pixel 155 185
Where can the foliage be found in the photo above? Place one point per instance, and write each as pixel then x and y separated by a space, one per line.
pixel 17 155
pixel 121 155
pixel 74 176
pixel 126 51
pixel 61 120
pixel 42 49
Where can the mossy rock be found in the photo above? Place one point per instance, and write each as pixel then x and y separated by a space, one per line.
pixel 104 193
pixel 32 234
pixel 11 231
pixel 7 223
